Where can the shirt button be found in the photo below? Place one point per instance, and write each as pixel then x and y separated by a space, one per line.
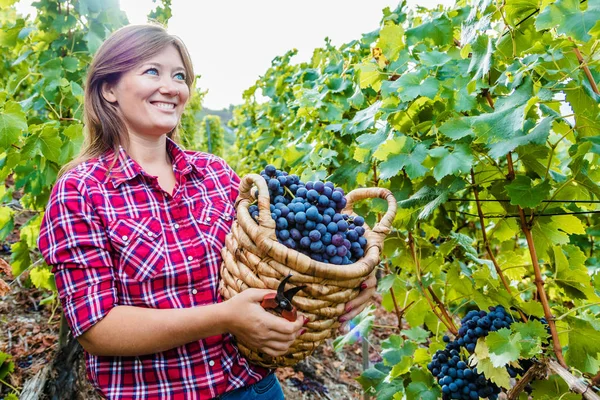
pixel 211 363
pixel 125 237
pixel 190 258
pixel 150 234
pixel 176 226
pixel 194 291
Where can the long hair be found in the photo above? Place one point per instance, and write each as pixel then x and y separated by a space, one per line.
pixel 125 49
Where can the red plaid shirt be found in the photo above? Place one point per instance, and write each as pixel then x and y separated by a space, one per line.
pixel 121 240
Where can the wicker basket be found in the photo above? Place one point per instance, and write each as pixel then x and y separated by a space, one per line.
pixel 253 258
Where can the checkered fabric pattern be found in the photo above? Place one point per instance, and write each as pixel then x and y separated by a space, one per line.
pixel 118 239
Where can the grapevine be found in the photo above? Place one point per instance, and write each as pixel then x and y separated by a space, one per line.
pixel 482 119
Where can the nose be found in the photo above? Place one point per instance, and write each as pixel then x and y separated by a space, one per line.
pixel 168 87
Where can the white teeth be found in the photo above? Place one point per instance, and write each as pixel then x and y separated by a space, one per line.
pixel 166 106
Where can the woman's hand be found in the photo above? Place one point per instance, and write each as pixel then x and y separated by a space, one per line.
pixel 258 329
pixel 356 305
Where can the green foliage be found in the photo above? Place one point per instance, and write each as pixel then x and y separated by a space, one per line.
pixel 42 70
pixel 211 135
pixel 416 106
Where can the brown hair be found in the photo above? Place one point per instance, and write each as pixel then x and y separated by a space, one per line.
pixel 125 49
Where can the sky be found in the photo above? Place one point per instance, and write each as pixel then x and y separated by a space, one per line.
pixel 232 42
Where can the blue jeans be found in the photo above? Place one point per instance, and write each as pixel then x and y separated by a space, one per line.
pixel 266 389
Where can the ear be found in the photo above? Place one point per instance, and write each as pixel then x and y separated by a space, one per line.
pixel 108 92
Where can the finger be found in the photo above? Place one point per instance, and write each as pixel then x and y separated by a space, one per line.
pixel 256 295
pixel 370 282
pixel 362 298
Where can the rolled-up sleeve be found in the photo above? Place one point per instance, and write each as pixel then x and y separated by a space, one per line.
pixel 73 241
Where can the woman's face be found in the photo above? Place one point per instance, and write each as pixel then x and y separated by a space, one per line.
pixel 152 96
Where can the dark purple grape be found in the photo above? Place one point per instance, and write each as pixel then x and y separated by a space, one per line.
pixel 310 225
pixel 359 221
pixel 337 260
pixel 314 235
pixel 326 238
pixel 305 242
pixel 281 223
pixel 270 170
pixel 351 235
pixel 301 192
pixel 273 184
pixel 342 226
pixel 312 214
pixel 323 201
pixel 313 196
pixel 342 251
pixel 283 234
pixel 319 186
pixel 331 250
pixel 300 217
pixel 295 234
pixel 337 240
pixel 317 247
pixel 327 191
pixel 336 196
pixel 332 227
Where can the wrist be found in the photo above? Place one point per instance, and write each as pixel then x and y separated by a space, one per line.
pixel 224 314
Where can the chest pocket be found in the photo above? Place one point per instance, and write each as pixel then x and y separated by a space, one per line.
pixel 214 222
pixel 140 245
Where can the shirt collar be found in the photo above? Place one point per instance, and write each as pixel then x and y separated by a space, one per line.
pixel 126 168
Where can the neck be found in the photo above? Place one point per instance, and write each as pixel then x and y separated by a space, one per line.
pixel 148 152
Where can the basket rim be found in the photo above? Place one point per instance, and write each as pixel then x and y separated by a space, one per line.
pixel 263 232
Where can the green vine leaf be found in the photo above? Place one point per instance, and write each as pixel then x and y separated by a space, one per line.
pixel 523 193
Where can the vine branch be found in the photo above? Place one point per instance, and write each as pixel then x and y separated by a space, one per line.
pixel 486 243
pixel 585 68
pixel 539 282
pixel 444 317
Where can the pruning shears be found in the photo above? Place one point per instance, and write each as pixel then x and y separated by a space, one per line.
pixel 281 302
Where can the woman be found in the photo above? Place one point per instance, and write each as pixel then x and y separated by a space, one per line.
pixel 133 232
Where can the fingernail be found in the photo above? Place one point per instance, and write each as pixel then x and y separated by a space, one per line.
pixel 343 319
pixel 302 332
pixel 363 285
pixel 348 308
pixel 306 320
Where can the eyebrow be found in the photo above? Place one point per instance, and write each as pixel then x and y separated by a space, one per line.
pixel 159 65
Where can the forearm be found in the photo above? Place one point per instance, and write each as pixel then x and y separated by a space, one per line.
pixel 134 331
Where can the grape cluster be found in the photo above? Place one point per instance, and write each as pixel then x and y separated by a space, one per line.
pixel 457 379
pixel 308 218
pixel 478 324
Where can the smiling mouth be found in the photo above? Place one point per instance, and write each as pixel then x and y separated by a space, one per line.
pixel 164 106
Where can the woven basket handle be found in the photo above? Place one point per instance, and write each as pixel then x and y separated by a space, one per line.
pixel 384 226
pixel 264 200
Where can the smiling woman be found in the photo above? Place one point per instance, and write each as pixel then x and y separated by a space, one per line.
pixel 134 229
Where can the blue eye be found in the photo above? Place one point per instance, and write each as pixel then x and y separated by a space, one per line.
pixel 180 76
pixel 151 71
